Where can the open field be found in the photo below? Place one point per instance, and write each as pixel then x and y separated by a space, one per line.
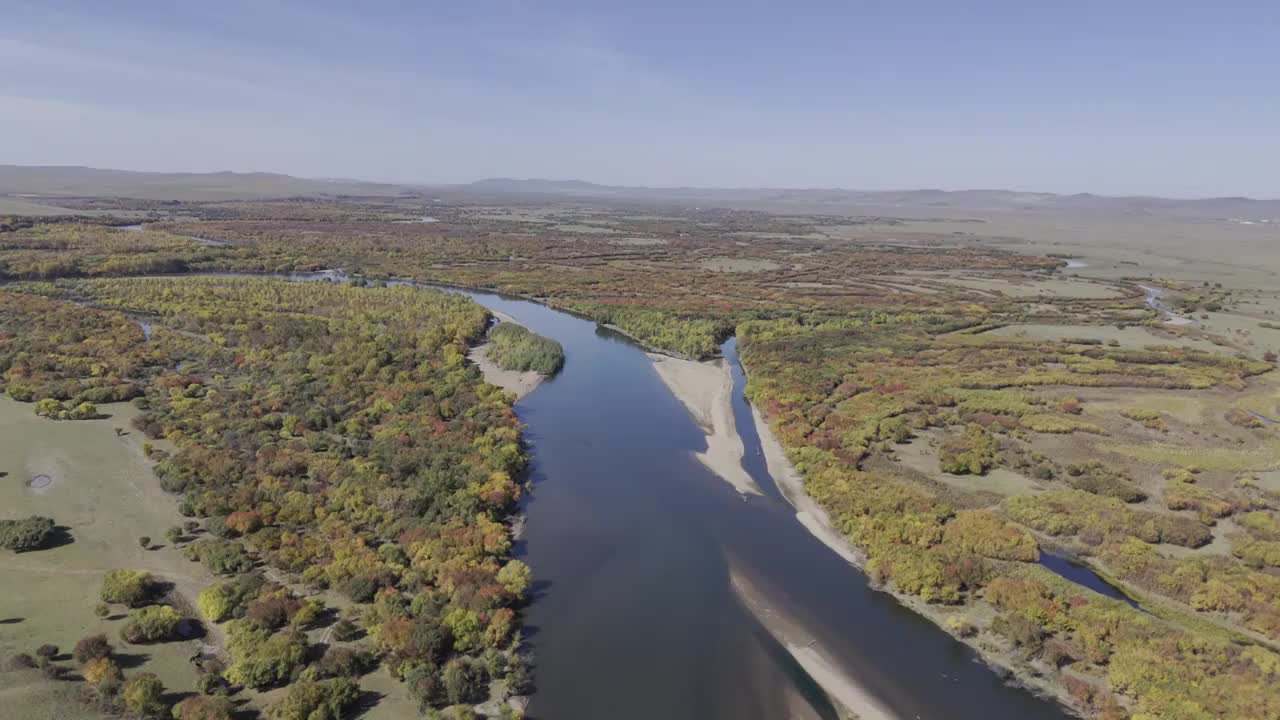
pixel 102 489
pixel 1130 336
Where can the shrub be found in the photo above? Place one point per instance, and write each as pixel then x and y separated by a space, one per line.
pixel 173 535
pixel 344 662
pixel 361 588
pixel 519 680
pixel 425 686
pixel 47 651
pixel 345 631
pixel 204 707
pixel 322 700
pixel 514 578
pixel 151 624
pixel 960 626
pixel 1242 418
pixel 975 452
pixel 100 669
pixel 260 659
pixel 143 695
pixel 272 610
pixel 461 683
pixel 55 410
pixel 243 522
pixel 217 602
pixel 1258 553
pixel 983 533
pixel 102 609
pixel 128 587
pixel 224 557
pixel 27 534
pixel 144 542
pixel 211 683
pixel 92 647
pixel 1058 424
pixel 1021 631
pixel 1098 479
pixel 1149 418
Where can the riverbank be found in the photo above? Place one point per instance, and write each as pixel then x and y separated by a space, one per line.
pixel 706 391
pixel 994 651
pixel 791 485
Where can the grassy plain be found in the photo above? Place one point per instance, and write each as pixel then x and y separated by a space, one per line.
pixel 104 493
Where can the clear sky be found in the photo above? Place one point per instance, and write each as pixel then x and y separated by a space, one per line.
pixel 1125 96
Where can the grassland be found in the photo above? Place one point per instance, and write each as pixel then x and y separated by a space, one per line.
pixel 104 493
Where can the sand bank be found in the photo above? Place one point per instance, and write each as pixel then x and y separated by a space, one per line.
pixel 808 651
pixel 706 390
pixel 520 383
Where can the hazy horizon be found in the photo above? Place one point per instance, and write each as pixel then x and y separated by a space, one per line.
pixel 1151 99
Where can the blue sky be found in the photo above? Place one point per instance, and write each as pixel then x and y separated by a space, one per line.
pixel 1129 96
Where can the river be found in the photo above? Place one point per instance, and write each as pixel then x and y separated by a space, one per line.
pixel 631 542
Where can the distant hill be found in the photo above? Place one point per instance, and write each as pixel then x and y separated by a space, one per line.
pixel 36 183
pixel 839 200
pixel 37 189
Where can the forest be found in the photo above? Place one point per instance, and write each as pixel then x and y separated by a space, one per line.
pixel 322 437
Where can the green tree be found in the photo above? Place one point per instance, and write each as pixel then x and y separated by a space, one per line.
pixel 129 587
pixel 316 700
pixel 27 534
pixel 151 624
pixel 462 683
pixel 260 659
pixel 217 602
pixel 143 695
pixel 515 578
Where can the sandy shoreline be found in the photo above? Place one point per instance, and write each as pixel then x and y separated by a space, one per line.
pixel 791 485
pixel 706 391
pixel 520 383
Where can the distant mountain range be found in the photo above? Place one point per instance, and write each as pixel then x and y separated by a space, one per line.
pixel 36 184
pixel 52 182
pixel 839 199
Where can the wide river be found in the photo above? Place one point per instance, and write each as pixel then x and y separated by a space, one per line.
pixel 631 541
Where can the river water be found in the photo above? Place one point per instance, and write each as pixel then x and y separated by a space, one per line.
pixel 631 539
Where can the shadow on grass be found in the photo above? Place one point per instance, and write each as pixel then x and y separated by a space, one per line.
pixel 367 701
pixel 129 661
